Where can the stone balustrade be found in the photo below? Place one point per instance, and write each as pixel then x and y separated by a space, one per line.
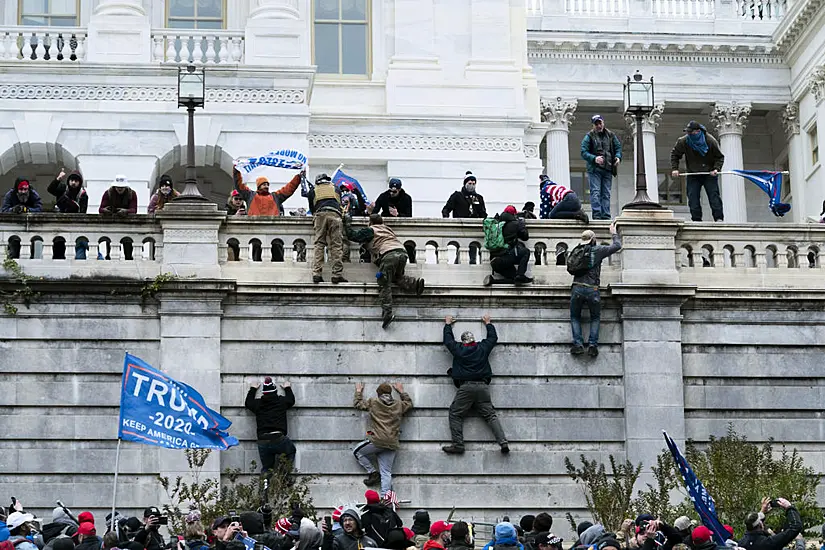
pixel 41 44
pixel 684 9
pixel 208 47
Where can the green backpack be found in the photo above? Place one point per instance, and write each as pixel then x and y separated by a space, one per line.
pixel 493 235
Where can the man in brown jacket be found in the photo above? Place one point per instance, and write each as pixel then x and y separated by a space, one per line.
pixel 382 437
pixel 390 256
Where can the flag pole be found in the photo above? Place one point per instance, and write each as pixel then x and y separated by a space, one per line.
pixel 115 527
pixel 337 170
pixel 725 172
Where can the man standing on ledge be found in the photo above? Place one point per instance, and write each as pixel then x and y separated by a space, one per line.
pixel 603 152
pixel 471 374
pixel 702 154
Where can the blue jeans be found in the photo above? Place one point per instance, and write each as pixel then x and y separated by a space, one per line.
pixel 580 296
pixel 601 182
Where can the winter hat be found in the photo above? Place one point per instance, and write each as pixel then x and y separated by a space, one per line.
pixel 269 385
pixel 460 530
pixel 682 523
pixel 529 206
pixel 543 522
pixel 76 176
pixel 729 529
pixel 253 523
pixel 372 496
pixel 526 522
pixel 609 542
pixel 260 181
pixel 641 518
pixel 544 177
pixel 467 337
pixel 505 530
pixel 510 209
pixel 395 183
pixel 421 522
pixel 336 514
pixel 701 535
pixel 439 527
pixel 86 529
pixel 582 527
pixel 587 237
pixel 468 176
pixel 283 525
pixel 59 515
pixel 384 388
pixel 21 185
pixel 322 178
pixel 546 537
pixel 17 519
pixel 87 517
pixel 63 543
pixel 165 179
pixel 409 533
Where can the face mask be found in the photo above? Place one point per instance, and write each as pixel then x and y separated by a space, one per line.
pixel 470 187
pixel 166 190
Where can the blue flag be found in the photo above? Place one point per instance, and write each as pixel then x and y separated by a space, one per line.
pixel 770 183
pixel 702 501
pixel 158 410
pixel 339 178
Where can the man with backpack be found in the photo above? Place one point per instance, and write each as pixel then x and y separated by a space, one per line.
pixel 585 264
pixel 378 519
pixel 508 255
pixel 603 152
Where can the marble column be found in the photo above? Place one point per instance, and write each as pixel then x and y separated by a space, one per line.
pixel 730 119
pixel 650 123
pixel 278 33
pixel 815 185
pixel 796 162
pixel 558 113
pixel 119 32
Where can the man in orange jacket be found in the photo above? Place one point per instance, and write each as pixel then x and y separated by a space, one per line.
pixel 262 202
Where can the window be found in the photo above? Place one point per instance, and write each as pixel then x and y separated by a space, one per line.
pixel 341 39
pixel 580 184
pixel 195 14
pixel 814 142
pixel 671 190
pixel 49 13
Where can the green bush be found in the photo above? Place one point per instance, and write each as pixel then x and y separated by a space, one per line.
pixel 608 497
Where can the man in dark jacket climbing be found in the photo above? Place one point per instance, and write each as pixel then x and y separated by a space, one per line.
pixel 511 261
pixel 757 536
pixel 22 198
pixel 353 537
pixel 391 257
pixel 71 197
pixel 270 417
pixel 378 519
pixel 471 374
pixel 465 203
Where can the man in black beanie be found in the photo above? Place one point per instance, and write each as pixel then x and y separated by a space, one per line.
pixel 465 203
pixel 270 416
pixel 394 202
pixel 421 528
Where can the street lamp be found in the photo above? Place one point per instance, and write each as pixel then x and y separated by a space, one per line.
pixel 638 102
pixel 191 94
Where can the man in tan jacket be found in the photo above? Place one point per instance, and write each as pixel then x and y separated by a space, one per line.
pixel 382 437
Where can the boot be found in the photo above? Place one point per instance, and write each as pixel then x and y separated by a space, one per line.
pixel 339 279
pixel 373 479
pixel 387 319
pixel 453 449
pixel 419 287
pixel 317 279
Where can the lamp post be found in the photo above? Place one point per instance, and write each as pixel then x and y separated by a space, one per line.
pixel 191 94
pixel 638 102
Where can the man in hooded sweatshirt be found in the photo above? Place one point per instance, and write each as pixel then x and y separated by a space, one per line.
pixel 511 261
pixel 471 374
pixel 353 537
pixel 270 417
pixel 61 524
pixel 702 154
pixel 461 538
pixel 382 436
pixel 71 197
pixel 260 201
pixel 21 198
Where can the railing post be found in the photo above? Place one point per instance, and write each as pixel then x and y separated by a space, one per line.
pixel 190 239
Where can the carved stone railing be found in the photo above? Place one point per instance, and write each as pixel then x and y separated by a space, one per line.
pixel 42 44
pixel 203 46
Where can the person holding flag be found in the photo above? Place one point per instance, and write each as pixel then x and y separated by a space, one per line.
pixel 702 154
pixel 260 201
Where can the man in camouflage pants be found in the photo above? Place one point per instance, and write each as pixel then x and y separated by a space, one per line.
pixel 390 256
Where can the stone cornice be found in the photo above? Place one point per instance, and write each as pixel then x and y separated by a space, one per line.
pixel 146 93
pixel 795 22
pixel 413 142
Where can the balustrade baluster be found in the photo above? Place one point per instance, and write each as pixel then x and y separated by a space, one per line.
pixel 237 49
pixel 442 255
pixel 185 52
pixel 3 50
pixel 40 48
pixel 243 251
pixel 25 250
pixel 62 51
pixel 48 251
pixel 266 254
pixel 223 50
pixel 80 49
pixel 718 258
pixel 289 250
pixel 738 259
pixel 115 251
pixel 697 258
pixel 211 58
pixel 27 47
pixel 464 255
pixel 157 48
pixel 93 251
pixel 171 51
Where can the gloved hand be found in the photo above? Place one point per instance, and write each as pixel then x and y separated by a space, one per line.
pixel 18 209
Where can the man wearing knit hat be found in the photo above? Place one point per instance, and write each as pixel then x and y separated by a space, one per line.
pixel 21 198
pixel 471 374
pixel 465 203
pixel 259 200
pixel 511 261
pixel 325 201
pixel 585 289
pixel 385 414
pixel 274 446
pixel 603 152
pixel 378 519
pixel 394 202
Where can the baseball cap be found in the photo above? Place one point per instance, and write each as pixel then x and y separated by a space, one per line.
pixel 701 534
pixel 17 519
pixel 86 529
pixel 693 125
pixel 395 183
pixel 439 527
pixel 220 520
pixel 596 118
pixel 151 511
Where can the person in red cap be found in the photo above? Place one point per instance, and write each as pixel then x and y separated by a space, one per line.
pixel 87 538
pixel 378 519
pixel 702 538
pixel 270 416
pixel 439 536
pixel 235 205
pixel 511 261
pixel 21 198
pixel 261 202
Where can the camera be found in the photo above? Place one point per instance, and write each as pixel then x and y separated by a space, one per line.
pixel 163 520
pixel 234 517
pixel 774 503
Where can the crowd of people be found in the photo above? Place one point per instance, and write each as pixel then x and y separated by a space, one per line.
pixel 376 524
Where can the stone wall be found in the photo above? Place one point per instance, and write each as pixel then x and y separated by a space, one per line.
pixel 684 348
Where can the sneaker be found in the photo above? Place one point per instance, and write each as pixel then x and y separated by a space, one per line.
pixel 488 280
pixel 523 279
pixel 453 449
pixel 373 479
pixel 505 448
pixel 388 318
pixel 593 351
pixel 582 217
pixel 336 280
pixel 419 287
pixel 577 350
pixel 317 279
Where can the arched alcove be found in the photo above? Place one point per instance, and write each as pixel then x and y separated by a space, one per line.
pixel 37 162
pixel 214 171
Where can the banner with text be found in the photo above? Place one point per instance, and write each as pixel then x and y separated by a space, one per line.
pixel 156 409
pixel 283 158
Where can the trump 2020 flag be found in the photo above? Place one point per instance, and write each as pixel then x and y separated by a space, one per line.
pixel 339 178
pixel 702 501
pixel 156 409
pixel 770 183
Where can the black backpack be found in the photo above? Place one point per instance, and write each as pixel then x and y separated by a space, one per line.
pixel 381 524
pixel 580 260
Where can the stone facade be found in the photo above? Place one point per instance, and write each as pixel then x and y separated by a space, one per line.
pixel 698 325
